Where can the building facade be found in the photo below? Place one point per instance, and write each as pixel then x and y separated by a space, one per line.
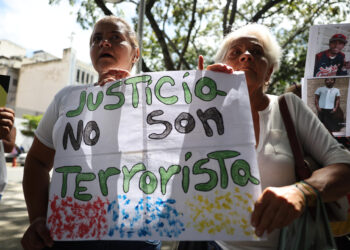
pixel 35 80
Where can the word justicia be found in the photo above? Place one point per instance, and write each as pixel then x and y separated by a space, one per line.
pixel 205 89
pixel 149 181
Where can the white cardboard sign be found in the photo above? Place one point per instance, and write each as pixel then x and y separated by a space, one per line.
pixel 164 155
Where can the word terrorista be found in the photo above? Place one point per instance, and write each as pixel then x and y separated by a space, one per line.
pixel 148 181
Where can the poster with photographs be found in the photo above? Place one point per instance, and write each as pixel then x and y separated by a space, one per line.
pixel 328 51
pixel 328 99
pixel 327 74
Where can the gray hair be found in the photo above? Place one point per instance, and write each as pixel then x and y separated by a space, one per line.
pixel 271 47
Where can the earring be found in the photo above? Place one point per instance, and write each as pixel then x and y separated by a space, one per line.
pixel 267 84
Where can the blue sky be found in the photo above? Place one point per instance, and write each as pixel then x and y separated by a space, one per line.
pixel 36 25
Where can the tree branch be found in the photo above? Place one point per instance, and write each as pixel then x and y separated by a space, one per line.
pixel 193 21
pixel 232 16
pixel 304 27
pixel 224 22
pixel 264 9
pixel 144 67
pixel 169 65
pixel 173 46
pixel 103 7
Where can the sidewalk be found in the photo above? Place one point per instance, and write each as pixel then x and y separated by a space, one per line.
pixel 14 217
pixel 13 211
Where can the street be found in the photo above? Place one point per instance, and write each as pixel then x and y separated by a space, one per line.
pixel 13 211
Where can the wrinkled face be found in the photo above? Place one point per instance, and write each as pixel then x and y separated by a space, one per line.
pixel 110 47
pixel 329 82
pixel 336 46
pixel 247 54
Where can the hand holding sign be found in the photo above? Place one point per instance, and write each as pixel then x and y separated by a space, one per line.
pixel 112 75
pixel 37 235
pixel 7 118
pixel 276 208
pixel 217 67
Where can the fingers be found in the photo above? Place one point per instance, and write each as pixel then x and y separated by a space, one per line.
pixel 200 62
pixel 113 75
pixel 259 208
pixel 7 117
pixel 220 67
pixel 276 208
pixel 37 235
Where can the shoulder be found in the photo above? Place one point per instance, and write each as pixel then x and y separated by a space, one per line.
pixel 319 89
pixel 64 94
pixel 294 102
pixel 341 54
pixel 321 53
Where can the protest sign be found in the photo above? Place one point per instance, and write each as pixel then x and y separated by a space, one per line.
pixel 164 155
pixel 4 89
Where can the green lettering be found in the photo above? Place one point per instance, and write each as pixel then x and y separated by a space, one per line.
pixel 187 92
pixel 220 156
pixel 185 178
pixel 165 175
pixel 78 189
pixel 76 112
pixel 213 91
pixel 242 179
pixel 148 95
pixel 90 102
pixel 213 178
pixel 120 95
pixel 135 93
pixel 128 175
pixel 103 176
pixel 148 188
pixel 166 100
pixel 65 170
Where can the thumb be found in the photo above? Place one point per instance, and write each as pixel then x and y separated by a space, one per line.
pixel 200 62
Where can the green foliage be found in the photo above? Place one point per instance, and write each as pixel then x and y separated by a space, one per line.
pixel 30 124
pixel 289 20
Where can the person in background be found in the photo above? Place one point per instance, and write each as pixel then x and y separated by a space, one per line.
pixel 255 51
pixel 327 99
pixel 113 51
pixel 332 62
pixel 7 141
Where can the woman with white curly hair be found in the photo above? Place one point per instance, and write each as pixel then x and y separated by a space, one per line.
pixel 255 51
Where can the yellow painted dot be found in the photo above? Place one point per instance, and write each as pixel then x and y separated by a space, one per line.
pixel 218 217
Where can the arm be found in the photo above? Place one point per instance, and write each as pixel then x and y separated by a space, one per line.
pixel 336 106
pixel 36 181
pixel 279 206
pixel 7 131
pixel 317 98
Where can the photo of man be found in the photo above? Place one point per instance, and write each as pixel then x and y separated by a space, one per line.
pixel 332 62
pixel 327 100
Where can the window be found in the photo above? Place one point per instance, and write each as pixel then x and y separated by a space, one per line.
pixel 87 77
pixel 82 76
pixel 78 74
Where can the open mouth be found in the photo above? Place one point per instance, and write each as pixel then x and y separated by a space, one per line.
pixel 105 55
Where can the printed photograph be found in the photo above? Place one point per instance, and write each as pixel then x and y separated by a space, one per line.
pixel 328 98
pixel 328 51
